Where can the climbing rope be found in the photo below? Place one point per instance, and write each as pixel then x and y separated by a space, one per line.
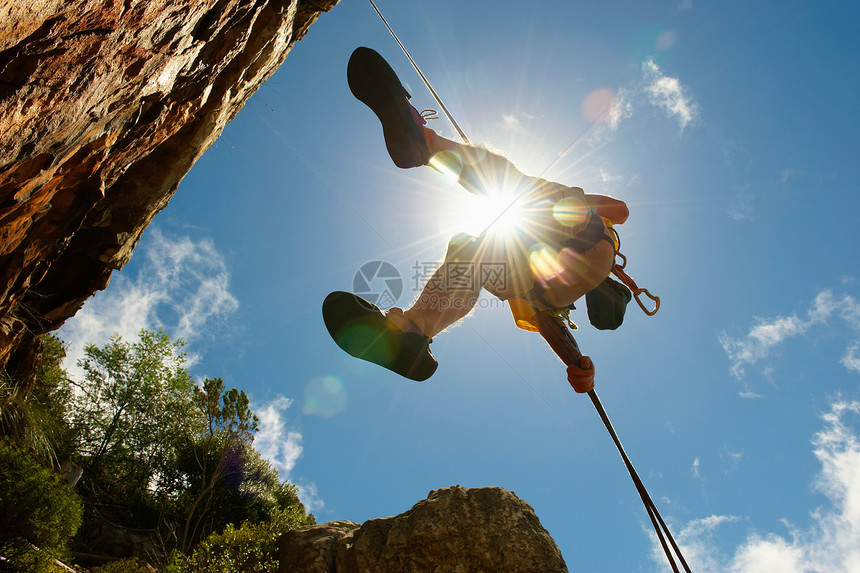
pixel 423 77
pixel 562 342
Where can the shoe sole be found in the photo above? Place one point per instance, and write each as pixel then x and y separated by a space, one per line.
pixel 373 82
pixel 360 329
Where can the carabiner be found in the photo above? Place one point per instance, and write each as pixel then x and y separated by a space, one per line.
pixel 656 300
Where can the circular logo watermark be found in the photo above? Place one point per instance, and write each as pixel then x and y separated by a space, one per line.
pixel 378 282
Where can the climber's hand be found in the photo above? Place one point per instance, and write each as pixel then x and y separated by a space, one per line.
pixel 581 377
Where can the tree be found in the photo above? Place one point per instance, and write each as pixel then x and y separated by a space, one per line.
pixel 133 404
pixel 127 413
pixel 39 512
pixel 161 453
pixel 217 452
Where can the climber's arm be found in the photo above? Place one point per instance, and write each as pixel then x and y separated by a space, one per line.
pixel 613 209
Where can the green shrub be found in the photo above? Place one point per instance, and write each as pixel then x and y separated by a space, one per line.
pixel 248 549
pixel 130 565
pixel 33 416
pixel 37 508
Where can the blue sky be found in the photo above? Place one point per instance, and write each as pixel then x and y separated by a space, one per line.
pixel 733 139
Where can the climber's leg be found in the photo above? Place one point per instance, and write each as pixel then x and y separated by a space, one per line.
pixel 470 264
pixel 374 83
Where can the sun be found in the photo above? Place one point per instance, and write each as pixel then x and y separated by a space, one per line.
pixel 498 213
pixel 499 210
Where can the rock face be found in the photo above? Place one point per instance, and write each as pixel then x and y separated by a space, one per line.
pixel 454 530
pixel 104 106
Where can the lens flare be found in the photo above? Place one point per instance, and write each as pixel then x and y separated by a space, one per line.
pixel 544 262
pixel 570 212
pixel 364 342
pixel 652 42
pixel 448 163
pixel 325 397
pixel 598 104
pixel 666 40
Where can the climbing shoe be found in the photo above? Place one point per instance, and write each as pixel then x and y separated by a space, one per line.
pixel 374 83
pixel 361 329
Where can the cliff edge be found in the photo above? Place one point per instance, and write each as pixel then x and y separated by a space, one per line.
pixel 104 107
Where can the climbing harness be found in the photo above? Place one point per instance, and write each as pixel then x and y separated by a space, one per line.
pixel 606 302
pixel 552 324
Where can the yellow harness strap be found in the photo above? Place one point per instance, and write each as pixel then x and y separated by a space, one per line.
pixel 525 315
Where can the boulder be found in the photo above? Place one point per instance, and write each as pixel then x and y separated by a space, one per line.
pixel 454 530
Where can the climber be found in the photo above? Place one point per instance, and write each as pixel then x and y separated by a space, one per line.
pixel 561 251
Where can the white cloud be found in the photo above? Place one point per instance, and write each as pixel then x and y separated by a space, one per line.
pixel 850 309
pixel 851 361
pixel 697 463
pixel 742 208
pixel 787 175
pixel 829 543
pixel 512 123
pixel 621 109
pixel 608 110
pixel 696 543
pixel 182 286
pixel 275 442
pixel 282 447
pixel 825 305
pixel 768 334
pixel 732 460
pixel 309 496
pixel 762 338
pixel 668 93
pixel 607 177
pixel 516 122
